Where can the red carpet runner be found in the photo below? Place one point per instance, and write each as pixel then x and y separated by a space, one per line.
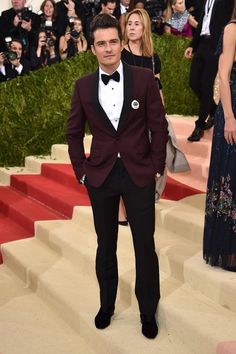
pixel 49 196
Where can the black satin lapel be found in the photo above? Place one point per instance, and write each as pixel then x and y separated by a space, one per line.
pixel 100 113
pixel 128 90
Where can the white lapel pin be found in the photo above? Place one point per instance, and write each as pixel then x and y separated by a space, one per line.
pixel 135 104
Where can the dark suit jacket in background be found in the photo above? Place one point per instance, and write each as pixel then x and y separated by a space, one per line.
pixel 141 158
pixel 221 14
pixel 12 73
pixel 7 18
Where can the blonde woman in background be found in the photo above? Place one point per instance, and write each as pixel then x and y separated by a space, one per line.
pixel 178 20
pixel 138 51
pixel 138 44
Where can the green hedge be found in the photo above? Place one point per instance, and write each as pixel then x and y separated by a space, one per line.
pixel 34 108
pixel 179 98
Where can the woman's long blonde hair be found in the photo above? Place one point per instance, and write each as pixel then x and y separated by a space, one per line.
pixel 146 43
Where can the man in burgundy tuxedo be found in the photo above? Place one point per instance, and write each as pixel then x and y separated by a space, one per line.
pixel 126 117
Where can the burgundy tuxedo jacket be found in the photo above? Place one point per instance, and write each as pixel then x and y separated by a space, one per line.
pixel 143 157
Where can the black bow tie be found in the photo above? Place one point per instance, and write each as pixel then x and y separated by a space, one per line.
pixel 106 78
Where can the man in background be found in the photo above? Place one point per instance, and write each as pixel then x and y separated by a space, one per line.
pixel 204 64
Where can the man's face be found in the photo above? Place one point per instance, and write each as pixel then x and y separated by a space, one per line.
pixel 107 47
pixel 17 48
pixel 109 8
pixel 125 2
pixel 18 4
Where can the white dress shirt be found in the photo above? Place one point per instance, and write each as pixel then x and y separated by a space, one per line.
pixel 111 96
pixel 207 18
pixel 123 9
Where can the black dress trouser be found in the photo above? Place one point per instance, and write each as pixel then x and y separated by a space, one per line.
pixel 202 77
pixel 140 207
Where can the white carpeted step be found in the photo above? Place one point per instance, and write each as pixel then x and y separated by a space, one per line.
pixel 32 166
pixel 185 220
pixel 214 282
pixel 34 163
pixel 29 326
pixel 199 322
pixel 74 296
pixel 76 241
pixel 60 151
pixel 174 251
pixel 200 149
pixel 6 172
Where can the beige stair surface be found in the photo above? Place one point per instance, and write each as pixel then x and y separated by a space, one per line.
pixel 185 218
pixel 29 326
pixel 58 266
pixel 74 296
pixel 213 282
pixel 198 321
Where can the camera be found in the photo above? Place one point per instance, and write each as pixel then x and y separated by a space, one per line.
pixel 48 27
pixel 10 55
pixel 155 11
pixel 74 33
pixel 25 14
pixel 51 42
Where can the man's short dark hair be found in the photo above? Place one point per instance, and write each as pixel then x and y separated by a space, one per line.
pixel 105 2
pixel 103 21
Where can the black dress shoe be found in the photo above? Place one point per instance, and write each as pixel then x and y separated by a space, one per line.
pixel 149 326
pixel 196 135
pixel 209 123
pixel 102 319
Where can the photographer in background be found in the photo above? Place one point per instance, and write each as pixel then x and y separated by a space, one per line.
pixel 12 63
pixel 20 22
pixel 44 53
pixel 157 11
pixel 65 10
pixel 73 41
pixel 49 14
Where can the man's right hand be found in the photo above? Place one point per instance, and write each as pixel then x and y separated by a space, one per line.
pixel 188 53
pixel 16 20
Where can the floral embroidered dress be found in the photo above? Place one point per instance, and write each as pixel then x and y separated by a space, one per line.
pixel 219 244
